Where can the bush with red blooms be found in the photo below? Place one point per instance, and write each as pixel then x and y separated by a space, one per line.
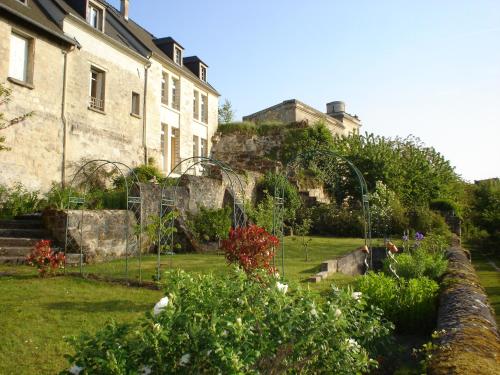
pixel 45 259
pixel 251 247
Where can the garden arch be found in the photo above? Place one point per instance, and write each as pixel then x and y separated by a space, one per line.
pixel 132 217
pixel 279 199
pixel 199 165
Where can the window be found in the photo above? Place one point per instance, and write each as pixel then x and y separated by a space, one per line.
pixel 20 66
pixel 24 2
pixel 164 146
pixel 196 145
pixel 177 55
pixel 203 74
pixel 136 104
pixel 97 88
pixel 196 105
pixel 164 88
pixel 204 108
pixel 204 147
pixel 95 16
pixel 175 148
pixel 176 94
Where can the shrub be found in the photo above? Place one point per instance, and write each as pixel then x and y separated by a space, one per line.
pixel 251 248
pixel 230 324
pixel 332 220
pixel 262 213
pixel 417 264
pixel 445 205
pixel 58 197
pixel 211 224
pixel 17 200
pixel 410 304
pixel 45 259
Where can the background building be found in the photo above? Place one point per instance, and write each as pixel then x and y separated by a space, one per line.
pixel 336 118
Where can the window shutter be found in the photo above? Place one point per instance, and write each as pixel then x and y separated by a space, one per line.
pixel 18 57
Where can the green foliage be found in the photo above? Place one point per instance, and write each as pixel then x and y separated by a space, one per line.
pixel 445 206
pixel 226 113
pixel 329 219
pixel 272 184
pixel 305 139
pixel 58 197
pixel 415 172
pixel 425 220
pixel 159 226
pixel 144 173
pixel 234 325
pixel 387 214
pixel 417 264
pixel 484 210
pixel 262 213
pixel 210 224
pixel 17 200
pixel 410 304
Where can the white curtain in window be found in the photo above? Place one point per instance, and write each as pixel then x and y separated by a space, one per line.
pixel 18 57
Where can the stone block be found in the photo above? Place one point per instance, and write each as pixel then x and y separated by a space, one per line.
pixel 329 266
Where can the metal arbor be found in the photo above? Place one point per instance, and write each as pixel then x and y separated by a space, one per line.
pixel 197 165
pixel 132 222
pixel 324 156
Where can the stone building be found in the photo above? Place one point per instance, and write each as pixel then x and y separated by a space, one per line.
pixel 336 118
pixel 100 87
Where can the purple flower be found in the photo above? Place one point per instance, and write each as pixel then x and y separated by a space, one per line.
pixel 405 237
pixel 419 236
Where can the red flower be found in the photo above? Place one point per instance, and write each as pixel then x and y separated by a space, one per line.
pixel 251 248
pixel 45 259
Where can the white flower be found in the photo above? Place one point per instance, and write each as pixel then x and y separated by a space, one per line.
pixel 225 333
pixel 238 321
pixel 282 287
pixel 185 359
pixel 277 275
pixel 337 313
pixel 75 370
pixel 157 327
pixel 314 312
pixel 357 295
pixel 160 306
pixel 352 344
pixel 145 370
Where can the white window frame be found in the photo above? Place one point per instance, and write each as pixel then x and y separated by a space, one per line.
pixel 203 73
pixel 165 77
pixel 196 104
pixel 97 101
pixel 177 55
pixel 100 12
pixel 204 108
pixel 26 75
pixel 175 93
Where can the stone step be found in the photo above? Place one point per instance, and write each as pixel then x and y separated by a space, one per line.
pixel 35 216
pixel 18 242
pixel 21 224
pixel 23 233
pixel 12 260
pixel 15 251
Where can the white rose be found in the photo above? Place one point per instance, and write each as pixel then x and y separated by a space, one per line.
pixel 160 306
pixel 282 287
pixel 185 359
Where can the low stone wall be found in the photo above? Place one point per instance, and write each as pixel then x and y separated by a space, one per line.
pixel 102 235
pixel 470 341
pixel 352 264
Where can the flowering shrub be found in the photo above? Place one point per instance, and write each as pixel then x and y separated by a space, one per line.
pixel 232 324
pixel 45 259
pixel 410 304
pixel 251 248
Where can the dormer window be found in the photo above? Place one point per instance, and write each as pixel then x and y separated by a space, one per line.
pixel 177 55
pixel 24 2
pixel 203 73
pixel 95 16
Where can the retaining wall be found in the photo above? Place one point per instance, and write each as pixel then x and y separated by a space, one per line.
pixel 470 342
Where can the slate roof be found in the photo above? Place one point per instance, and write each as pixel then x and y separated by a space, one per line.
pixel 35 15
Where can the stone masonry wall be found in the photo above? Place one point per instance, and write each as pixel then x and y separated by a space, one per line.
pixel 469 343
pixel 103 234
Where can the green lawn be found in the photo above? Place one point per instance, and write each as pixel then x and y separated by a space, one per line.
pixel 36 314
pixel 490 279
pixel 297 269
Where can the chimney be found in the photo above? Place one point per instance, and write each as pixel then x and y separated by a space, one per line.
pixel 335 108
pixel 124 9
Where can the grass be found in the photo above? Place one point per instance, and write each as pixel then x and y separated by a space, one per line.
pixel 36 314
pixel 297 269
pixel 490 279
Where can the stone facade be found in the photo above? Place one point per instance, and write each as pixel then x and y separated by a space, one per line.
pixel 64 129
pixel 336 119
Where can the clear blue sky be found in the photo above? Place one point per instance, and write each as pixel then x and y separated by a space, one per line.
pixel 428 68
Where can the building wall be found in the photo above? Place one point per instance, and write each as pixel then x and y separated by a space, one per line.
pixel 35 158
pixel 37 144
pixel 115 134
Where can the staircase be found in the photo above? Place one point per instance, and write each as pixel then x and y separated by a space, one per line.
pixel 19 236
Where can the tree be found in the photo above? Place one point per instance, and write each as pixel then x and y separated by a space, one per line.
pixel 5 97
pixel 226 112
